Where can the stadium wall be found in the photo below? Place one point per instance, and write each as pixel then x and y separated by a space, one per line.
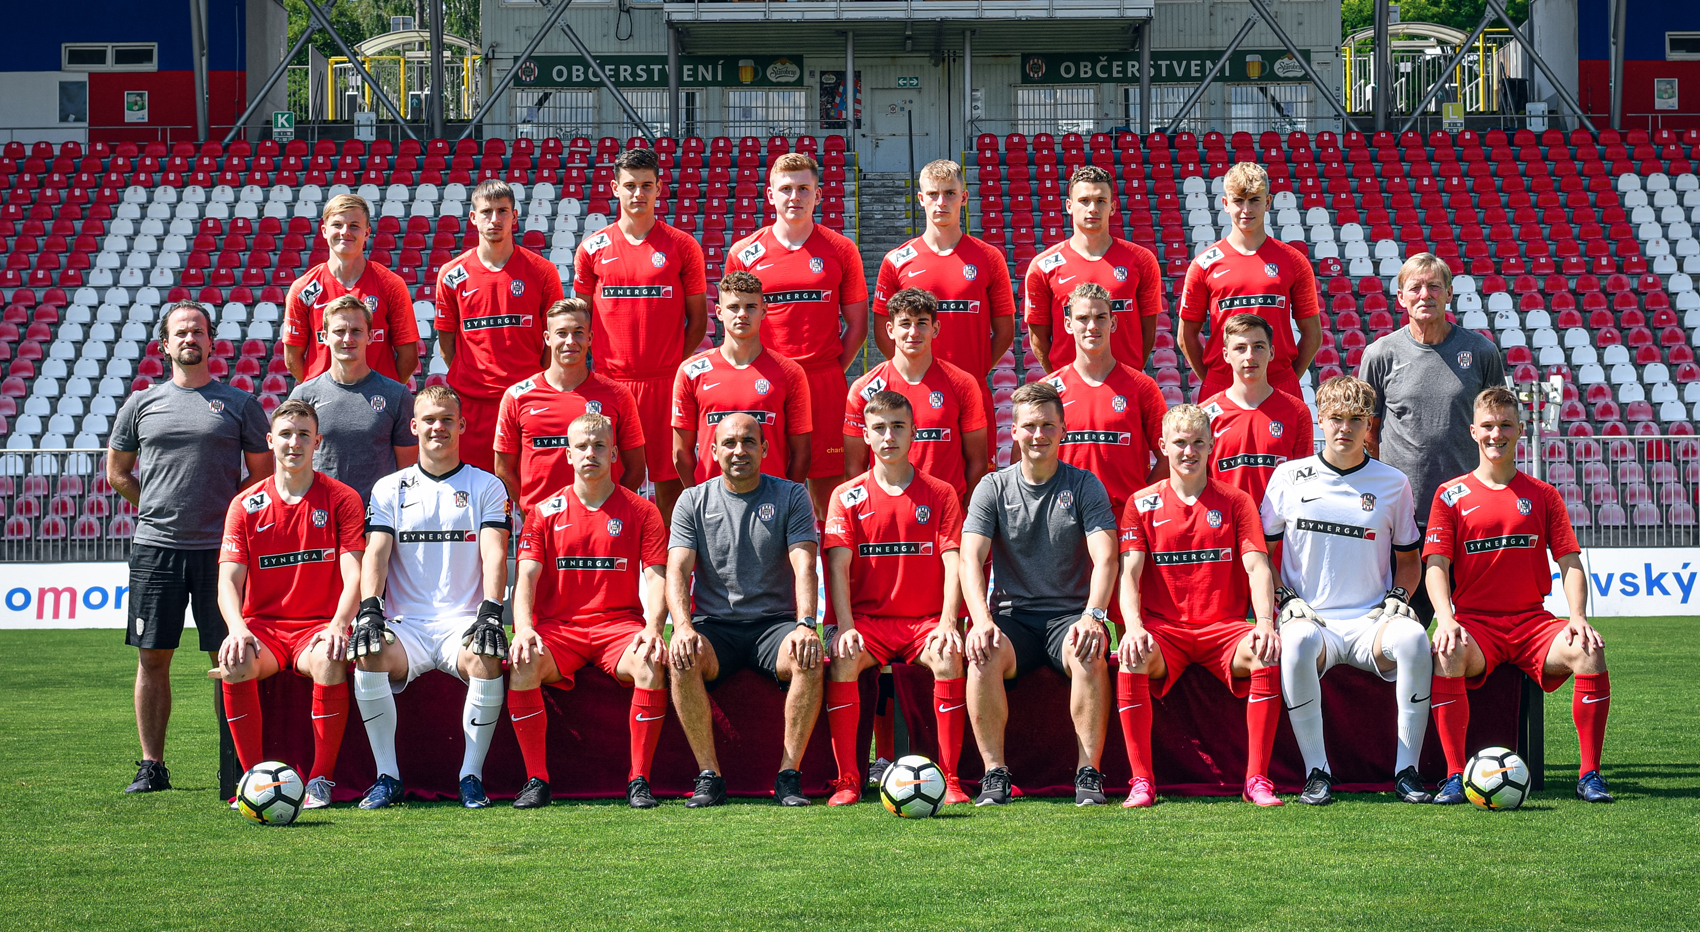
pixel 1645 62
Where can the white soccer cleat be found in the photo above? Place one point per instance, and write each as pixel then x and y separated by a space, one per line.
pixel 318 793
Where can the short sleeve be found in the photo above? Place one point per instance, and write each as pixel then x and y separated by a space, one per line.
pixel 629 425
pixel 1561 536
pixel 800 514
pixel 1195 295
pixel 507 424
pixel 968 397
pixel 684 527
pixel 838 528
pixel 551 283
pixel 735 253
pixel 234 546
pixel 1132 538
pixel 885 287
pixel 534 541
pixel 853 287
pixel 1372 370
pixel 1302 299
pixel 1094 504
pixel 1442 527
pixel 1036 296
pixel 1248 527
pixel 1152 408
pixel 448 302
pixel 1274 498
pixel 1493 365
pixel 982 515
pixel 950 522
pixel 350 521
pixel 254 426
pixel 1304 432
pixel 1150 294
pixel 694 278
pixel 496 510
pixel 854 403
pixel 584 272
pixel 1000 293
pixel 399 305
pixel 297 323
pixel 125 436
pixel 401 433
pixel 684 402
pixel 1406 535
pixel 799 410
pixel 380 513
pixel 654 550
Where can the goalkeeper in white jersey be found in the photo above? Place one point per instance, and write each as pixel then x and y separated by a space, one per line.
pixel 1350 558
pixel 432 581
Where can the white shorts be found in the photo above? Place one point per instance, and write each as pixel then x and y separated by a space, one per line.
pixel 1352 642
pixel 431 644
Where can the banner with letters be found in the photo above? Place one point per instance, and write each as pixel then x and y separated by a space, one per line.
pixel 651 71
pixel 1168 66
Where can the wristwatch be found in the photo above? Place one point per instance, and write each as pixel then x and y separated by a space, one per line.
pixel 1098 614
pixel 806 621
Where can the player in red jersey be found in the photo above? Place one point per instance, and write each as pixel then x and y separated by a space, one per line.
pixel 1255 426
pixel 646 286
pixel 1489 533
pixel 490 305
pixel 1117 422
pixel 892 538
pixel 740 375
pixel 531 429
pixel 588 563
pixel 288 585
pixel 812 279
pixel 1249 271
pixel 976 324
pixel 1193 558
pixel 950 421
pixel 1128 271
pixel 393 347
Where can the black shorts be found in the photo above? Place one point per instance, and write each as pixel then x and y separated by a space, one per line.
pixel 163 584
pixel 1038 638
pixel 740 644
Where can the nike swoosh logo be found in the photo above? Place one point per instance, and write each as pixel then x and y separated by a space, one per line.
pixel 468 294
pixel 903 783
pixel 1219 274
pixel 562 527
pixel 607 260
pixel 1439 704
pixel 373 718
pixel 709 386
pixel 332 715
pixel 1309 500
pixel 478 724
pixel 1127 707
pixel 1496 771
pixel 917 272
pixel 320 305
pixel 864 514
pixel 1468 510
pixel 1219 433
pixel 536 411
pixel 1414 699
pixel 1067 403
pixel 521 718
pixel 1295 708
pixel 408 504
pixel 950 708
pixel 762 266
pixel 242 716
pixel 1064 281
pixel 1590 700
pixel 1264 698
pixel 651 718
pixel 266 527
pixel 715 514
pixel 835 708
pixel 1162 522
pixel 1397 366
pixel 267 786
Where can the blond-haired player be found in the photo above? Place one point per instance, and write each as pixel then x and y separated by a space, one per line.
pixel 392 347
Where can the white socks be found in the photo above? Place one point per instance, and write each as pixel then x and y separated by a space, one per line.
pixel 1405 642
pixel 1301 689
pixel 478 722
pixel 377 709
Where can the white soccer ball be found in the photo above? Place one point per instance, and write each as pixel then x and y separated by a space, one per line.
pixel 271 794
pixel 1496 778
pixel 913 788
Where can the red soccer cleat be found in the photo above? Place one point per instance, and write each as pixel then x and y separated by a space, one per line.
pixel 953 792
pixel 1259 790
pixel 847 792
pixel 1141 794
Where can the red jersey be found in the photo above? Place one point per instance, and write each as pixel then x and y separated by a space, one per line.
pixel 381 290
pixel 1276 283
pixel 1112 430
pixel 806 289
pixel 972 285
pixel 593 558
pixel 637 295
pixel 947 403
pixel 773 390
pixel 1128 271
pixel 496 317
pixel 1497 540
pixel 1194 575
pixel 1251 442
pixel 895 543
pixel 292 551
pixel 533 420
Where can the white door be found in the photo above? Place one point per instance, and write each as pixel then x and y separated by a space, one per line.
pixel 885 143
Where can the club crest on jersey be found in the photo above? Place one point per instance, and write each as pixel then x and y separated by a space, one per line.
pixel 1275 429
pixel 1214 518
pixel 1524 506
pixel 817 265
pixel 1368 501
pixel 765 512
pixel 593 407
pixel 853 496
pixel 615 526
pixel 517 287
pixel 1451 496
pixel 379 403
pixel 1065 498
pixel 1465 359
pixel 763 386
pixel 321 517
pixel 1121 273
pixel 970 272
pixel 216 407
pixel 1272 270
pixel 371 302
pixel 1119 403
pixel 923 514
pixel 658 259
pixel 936 399
pixel 461 498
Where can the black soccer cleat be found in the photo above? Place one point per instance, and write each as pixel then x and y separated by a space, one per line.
pixel 710 791
pixel 472 795
pixel 533 795
pixel 1319 788
pixel 1408 785
pixel 638 795
pixel 1089 787
pixel 994 788
pixel 788 789
pixel 1592 788
pixel 151 777
pixel 876 772
pixel 1451 793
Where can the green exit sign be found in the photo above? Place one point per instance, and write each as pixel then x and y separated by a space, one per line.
pixel 909 82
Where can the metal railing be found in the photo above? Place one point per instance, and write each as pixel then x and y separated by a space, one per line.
pixel 60 510
pixel 1623 491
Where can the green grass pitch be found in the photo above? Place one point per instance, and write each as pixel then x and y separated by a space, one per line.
pixel 75 853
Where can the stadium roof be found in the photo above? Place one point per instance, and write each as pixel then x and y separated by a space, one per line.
pixel 1000 25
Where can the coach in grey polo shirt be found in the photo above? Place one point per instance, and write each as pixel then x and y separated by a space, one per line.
pixel 366 417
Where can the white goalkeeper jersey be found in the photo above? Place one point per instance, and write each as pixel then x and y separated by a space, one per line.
pixel 1338 532
pixel 435 570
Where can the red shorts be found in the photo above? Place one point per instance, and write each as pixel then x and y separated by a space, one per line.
pixel 286 639
pixel 1522 640
pixel 1211 646
pixel 655 415
pixel 478 441
pixel 574 646
pixel 828 391
pixel 894 640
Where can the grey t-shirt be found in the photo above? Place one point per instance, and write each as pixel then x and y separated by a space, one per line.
pixel 1039 558
pixel 191 442
pixel 1425 396
pixel 362 425
pixel 743 570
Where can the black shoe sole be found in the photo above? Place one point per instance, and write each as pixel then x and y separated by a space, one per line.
pixel 693 802
pixel 983 801
pixel 649 803
pixel 1314 801
pixel 530 804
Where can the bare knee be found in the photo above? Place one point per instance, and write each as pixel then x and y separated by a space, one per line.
pixel 153 661
pixel 524 675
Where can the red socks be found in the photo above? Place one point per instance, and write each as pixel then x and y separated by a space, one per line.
pixel 330 717
pixel 649 713
pixel 1450 703
pixel 843 711
pixel 950 704
pixel 1133 706
pixel 531 730
pixel 242 711
pixel 1589 706
pixel 1262 714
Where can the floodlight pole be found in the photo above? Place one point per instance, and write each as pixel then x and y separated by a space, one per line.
pixel 507 80
pixel 436 104
pixel 597 71
pixel 1209 76
pixel 372 85
pixel 277 73
pixel 198 46
pixel 673 102
pixel 1326 93
pixel 1145 78
pixel 1619 30
pixel 1383 65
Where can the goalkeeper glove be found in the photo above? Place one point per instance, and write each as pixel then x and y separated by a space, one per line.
pixel 1395 604
pixel 370 632
pixel 1292 608
pixel 486 636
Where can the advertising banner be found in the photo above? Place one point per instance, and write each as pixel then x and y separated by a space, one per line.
pixel 651 71
pixel 1168 66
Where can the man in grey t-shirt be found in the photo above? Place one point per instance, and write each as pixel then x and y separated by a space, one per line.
pixel 366 416
pixel 1052 537
pixel 1426 377
pixel 750 541
pixel 191 436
